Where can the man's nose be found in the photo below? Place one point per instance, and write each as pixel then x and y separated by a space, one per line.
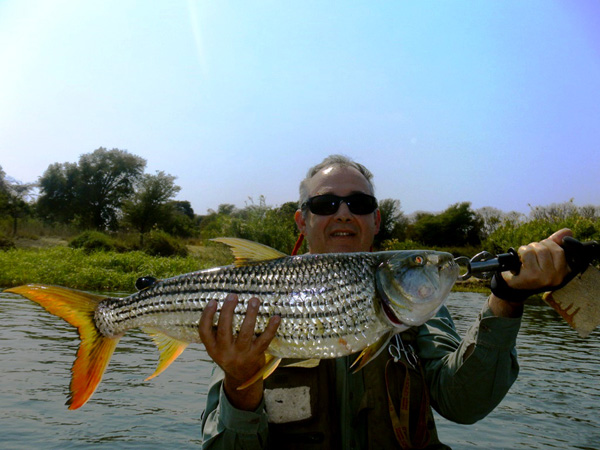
pixel 343 213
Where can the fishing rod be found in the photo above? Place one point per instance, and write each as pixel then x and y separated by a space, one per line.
pixel 484 265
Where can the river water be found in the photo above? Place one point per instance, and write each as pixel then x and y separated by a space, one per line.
pixel 553 404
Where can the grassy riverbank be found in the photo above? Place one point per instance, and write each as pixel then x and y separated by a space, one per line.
pixel 100 270
pixel 50 261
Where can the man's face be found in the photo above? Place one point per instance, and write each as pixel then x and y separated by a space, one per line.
pixel 342 231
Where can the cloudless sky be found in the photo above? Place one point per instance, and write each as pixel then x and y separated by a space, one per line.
pixel 496 103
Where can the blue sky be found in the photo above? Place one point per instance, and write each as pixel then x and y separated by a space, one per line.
pixel 496 103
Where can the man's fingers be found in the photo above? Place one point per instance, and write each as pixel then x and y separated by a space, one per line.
pixel 560 235
pixel 223 340
pixel 225 324
pixel 264 340
pixel 556 263
pixel 205 327
pixel 543 262
pixel 246 334
pixel 528 256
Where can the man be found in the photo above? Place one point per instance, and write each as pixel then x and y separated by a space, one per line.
pixel 463 379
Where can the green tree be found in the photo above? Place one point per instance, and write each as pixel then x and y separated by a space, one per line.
pixel 393 222
pixel 181 221
pixel 217 223
pixel 184 207
pixel 456 226
pixel 91 192
pixel 491 218
pixel 58 193
pixel 3 190
pixel 148 206
pixel 13 198
pixel 271 226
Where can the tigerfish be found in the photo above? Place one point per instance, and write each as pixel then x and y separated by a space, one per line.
pixel 331 305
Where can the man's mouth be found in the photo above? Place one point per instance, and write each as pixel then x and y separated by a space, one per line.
pixel 342 234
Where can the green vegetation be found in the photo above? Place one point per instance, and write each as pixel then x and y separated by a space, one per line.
pixel 160 243
pixel 93 241
pixel 121 223
pixel 99 270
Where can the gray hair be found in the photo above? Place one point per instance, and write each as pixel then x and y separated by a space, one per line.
pixel 337 161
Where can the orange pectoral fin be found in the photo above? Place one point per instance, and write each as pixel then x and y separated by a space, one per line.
pixel 371 352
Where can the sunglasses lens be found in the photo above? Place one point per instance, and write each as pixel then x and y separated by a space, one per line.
pixel 361 204
pixel 325 205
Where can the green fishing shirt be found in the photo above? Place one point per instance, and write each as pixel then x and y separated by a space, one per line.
pixel 467 379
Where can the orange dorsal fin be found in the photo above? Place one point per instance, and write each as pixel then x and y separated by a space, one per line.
pixel 95 350
pixel 170 348
pixel 268 369
pixel 248 252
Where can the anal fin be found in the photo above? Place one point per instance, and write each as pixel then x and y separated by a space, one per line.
pixel 263 373
pixel 303 363
pixel 170 348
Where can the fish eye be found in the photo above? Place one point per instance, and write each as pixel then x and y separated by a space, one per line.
pixel 145 282
pixel 419 260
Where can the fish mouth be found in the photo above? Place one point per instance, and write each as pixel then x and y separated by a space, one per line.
pixel 387 307
pixel 389 313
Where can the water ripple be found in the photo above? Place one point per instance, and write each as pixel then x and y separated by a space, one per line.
pixel 553 404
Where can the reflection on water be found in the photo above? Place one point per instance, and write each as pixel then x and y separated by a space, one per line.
pixel 552 405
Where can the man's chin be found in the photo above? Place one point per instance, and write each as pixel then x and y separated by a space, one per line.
pixel 343 244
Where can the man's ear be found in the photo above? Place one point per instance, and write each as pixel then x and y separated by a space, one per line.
pixel 300 222
pixel 377 220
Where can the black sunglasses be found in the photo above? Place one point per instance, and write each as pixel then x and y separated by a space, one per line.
pixel 327 204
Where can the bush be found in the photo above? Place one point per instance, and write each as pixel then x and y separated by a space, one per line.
pixel 93 241
pixel 6 243
pixel 159 243
pixel 508 235
pixel 395 244
pixel 274 227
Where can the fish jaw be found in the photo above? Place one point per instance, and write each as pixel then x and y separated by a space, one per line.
pixel 413 285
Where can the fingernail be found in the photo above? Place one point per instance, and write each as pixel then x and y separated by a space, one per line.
pixel 212 303
pixel 254 302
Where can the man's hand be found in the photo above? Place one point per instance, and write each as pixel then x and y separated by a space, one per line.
pixel 543 265
pixel 242 356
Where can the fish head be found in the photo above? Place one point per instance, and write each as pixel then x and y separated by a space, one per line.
pixel 414 284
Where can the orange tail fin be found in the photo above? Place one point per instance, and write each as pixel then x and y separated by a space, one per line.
pixel 95 350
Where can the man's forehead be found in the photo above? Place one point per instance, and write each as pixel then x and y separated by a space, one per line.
pixel 334 178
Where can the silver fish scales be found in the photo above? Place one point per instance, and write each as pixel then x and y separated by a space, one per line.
pixel 330 305
pixel 318 298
